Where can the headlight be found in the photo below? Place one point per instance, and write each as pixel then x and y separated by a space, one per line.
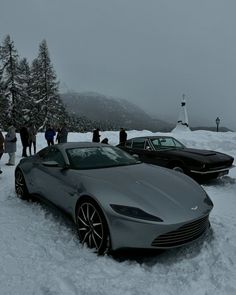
pixel 208 201
pixel 134 212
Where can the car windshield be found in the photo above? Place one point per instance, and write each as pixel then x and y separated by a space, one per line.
pixel 99 157
pixel 166 143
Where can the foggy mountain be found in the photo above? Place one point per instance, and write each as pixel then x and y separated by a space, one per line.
pixel 113 111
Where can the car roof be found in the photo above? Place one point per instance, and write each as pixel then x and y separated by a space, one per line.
pixel 152 137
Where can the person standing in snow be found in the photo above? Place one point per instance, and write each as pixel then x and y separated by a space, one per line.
pixel 32 138
pixel 49 135
pixel 24 136
pixel 10 145
pixel 96 135
pixel 62 134
pixel 1 147
pixel 123 136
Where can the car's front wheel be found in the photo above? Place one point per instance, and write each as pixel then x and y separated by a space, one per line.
pixel 20 185
pixel 92 226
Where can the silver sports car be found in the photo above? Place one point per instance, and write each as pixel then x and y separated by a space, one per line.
pixel 115 200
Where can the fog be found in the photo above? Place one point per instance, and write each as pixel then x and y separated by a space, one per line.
pixel 148 52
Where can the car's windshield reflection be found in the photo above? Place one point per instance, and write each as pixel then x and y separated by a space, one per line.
pixel 99 157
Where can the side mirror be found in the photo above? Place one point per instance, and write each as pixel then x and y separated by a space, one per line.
pixel 65 167
pixel 50 164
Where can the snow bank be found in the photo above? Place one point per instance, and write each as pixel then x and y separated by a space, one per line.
pixel 40 253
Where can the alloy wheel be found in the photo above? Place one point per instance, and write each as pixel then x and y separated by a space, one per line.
pixel 20 186
pixel 91 226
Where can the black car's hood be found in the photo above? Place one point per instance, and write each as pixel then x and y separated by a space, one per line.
pixel 200 152
pixel 203 155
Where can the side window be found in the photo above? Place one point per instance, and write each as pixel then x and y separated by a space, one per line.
pixel 167 142
pixel 156 143
pixel 54 154
pixel 139 143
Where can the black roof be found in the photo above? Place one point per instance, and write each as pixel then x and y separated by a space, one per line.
pixel 152 137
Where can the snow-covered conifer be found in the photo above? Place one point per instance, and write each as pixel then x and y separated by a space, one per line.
pixel 10 86
pixel 50 109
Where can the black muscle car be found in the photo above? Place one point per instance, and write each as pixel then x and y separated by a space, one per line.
pixel 168 152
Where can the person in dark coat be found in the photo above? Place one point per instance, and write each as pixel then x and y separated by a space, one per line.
pixel 32 137
pixel 123 136
pixel 62 134
pixel 49 135
pixel 1 147
pixel 24 136
pixel 96 135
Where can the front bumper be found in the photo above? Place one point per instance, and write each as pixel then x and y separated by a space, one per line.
pixel 127 233
pixel 221 170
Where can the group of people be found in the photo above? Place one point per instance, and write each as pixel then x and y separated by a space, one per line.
pixel 122 136
pixel 62 134
pixel 28 139
pixel 28 134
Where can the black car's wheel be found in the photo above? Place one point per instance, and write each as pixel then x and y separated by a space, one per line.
pixel 92 226
pixel 20 186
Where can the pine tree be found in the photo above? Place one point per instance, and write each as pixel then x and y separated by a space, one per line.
pixel 3 102
pixel 50 109
pixel 10 88
pixel 25 102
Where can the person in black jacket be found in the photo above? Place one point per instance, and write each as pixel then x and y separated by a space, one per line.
pixel 96 135
pixel 24 136
pixel 62 134
pixel 123 136
pixel 49 135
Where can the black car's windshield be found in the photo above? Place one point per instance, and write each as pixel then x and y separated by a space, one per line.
pixel 166 143
pixel 99 157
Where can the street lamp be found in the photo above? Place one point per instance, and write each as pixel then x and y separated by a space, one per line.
pixel 217 123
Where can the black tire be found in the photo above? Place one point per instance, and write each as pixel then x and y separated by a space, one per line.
pixel 92 226
pixel 20 186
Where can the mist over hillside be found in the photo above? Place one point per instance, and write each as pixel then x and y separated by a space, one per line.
pixel 114 111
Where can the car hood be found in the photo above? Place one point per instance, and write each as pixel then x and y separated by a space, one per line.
pixel 159 191
pixel 205 155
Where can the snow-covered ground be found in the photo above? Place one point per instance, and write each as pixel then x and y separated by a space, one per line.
pixel 40 252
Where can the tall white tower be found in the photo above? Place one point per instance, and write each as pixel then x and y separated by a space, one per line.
pixel 182 123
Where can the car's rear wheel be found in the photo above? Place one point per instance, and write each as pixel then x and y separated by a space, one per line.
pixel 92 226
pixel 20 186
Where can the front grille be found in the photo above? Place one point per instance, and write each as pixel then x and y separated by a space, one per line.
pixel 219 165
pixel 182 235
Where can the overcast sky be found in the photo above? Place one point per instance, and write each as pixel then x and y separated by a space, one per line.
pixel 149 52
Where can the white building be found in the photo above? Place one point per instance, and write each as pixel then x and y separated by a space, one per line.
pixel 182 123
